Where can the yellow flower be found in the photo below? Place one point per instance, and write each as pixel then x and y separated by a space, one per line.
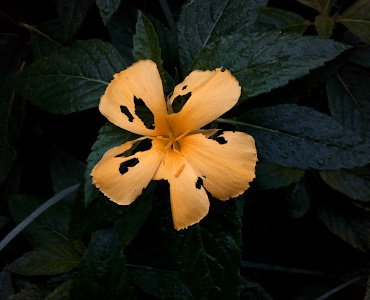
pixel 180 152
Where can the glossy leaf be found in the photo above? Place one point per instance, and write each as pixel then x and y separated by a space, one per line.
pixel 201 22
pixel 264 61
pixel 354 183
pixel 72 13
pixel 300 137
pixel 162 284
pixel 351 224
pixel 51 259
pixel 102 273
pixel 72 79
pixel 107 8
pixel 272 176
pixel 357 19
pixel 207 254
pixel 146 44
pixel 270 18
pixel 49 228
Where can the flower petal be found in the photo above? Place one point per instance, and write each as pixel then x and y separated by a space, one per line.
pixel 189 200
pixel 227 163
pixel 211 94
pixel 122 178
pixel 141 81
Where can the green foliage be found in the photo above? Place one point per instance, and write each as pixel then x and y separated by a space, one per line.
pixel 304 72
pixel 102 273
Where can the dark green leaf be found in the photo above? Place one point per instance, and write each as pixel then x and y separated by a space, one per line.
pixel 360 56
pixel 201 22
pixel 357 19
pixel 130 223
pixel 49 228
pixel 109 136
pixel 324 26
pixel 107 8
pixel 61 292
pixel 272 176
pixel 322 6
pixel 121 28
pixel 348 95
pixel 264 61
pixel 102 273
pixel 72 13
pixel 270 18
pixel 299 200
pixel 350 223
pixel 207 254
pixel 6 287
pixel 65 170
pixel 34 292
pixel 72 79
pixel 146 44
pixel 162 284
pixel 300 137
pixel 50 40
pixel 354 183
pixel 51 259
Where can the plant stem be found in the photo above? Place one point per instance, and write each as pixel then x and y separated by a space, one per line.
pixel 168 15
pixel 22 225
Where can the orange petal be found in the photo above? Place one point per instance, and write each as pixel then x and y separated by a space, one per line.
pixel 122 178
pixel 140 81
pixel 189 200
pixel 227 163
pixel 212 93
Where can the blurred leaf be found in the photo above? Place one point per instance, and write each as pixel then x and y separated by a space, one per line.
pixel 65 170
pixel 348 95
pixel 324 26
pixel 272 176
pixel 61 292
pixel 300 137
pixel 109 136
pixel 130 223
pixel 102 273
pixel 162 284
pixel 72 14
pixel 360 56
pixel 350 223
pixel 264 61
pixel 49 228
pixel 201 22
pixel 207 254
pixel 121 28
pixel 270 18
pixel 252 290
pixel 51 259
pixel 322 6
pixel 72 79
pixel 33 292
pixel 6 287
pixel 354 183
pixel 299 200
pixel 146 44
pixel 357 19
pixel 107 8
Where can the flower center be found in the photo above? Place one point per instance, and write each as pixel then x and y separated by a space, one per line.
pixel 172 141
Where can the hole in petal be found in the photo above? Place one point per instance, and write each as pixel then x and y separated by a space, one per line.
pixel 180 101
pixel 199 183
pixel 184 87
pixel 221 140
pixel 123 168
pixel 127 113
pixel 144 145
pixel 143 112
